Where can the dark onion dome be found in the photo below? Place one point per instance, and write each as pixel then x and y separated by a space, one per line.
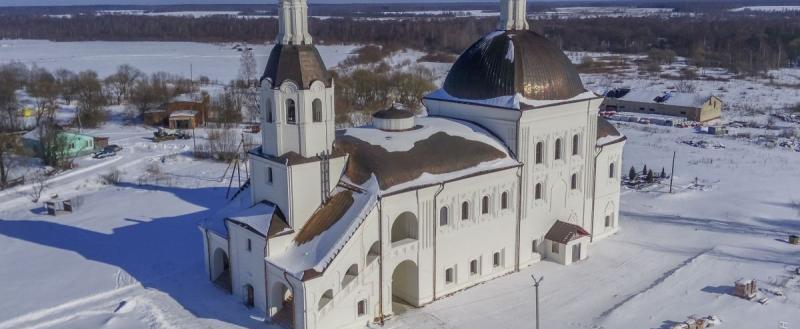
pixel 505 63
pixel 396 111
pixel 301 64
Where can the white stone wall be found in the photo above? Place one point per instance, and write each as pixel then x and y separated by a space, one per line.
pixel 342 310
pixel 247 266
pixel 607 193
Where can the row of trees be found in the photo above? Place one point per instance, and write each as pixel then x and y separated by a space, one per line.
pixel 745 43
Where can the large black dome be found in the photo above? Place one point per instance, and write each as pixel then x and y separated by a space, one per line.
pixel 505 63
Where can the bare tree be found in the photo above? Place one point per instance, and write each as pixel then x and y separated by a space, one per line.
pixel 121 82
pixel 248 67
pixel 685 87
pixel 12 78
pixel 44 88
pixel 91 100
pixel 39 179
pixel 69 84
pixel 8 148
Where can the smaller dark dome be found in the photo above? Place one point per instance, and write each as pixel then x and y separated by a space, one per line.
pixel 396 111
pixel 301 64
pixel 506 63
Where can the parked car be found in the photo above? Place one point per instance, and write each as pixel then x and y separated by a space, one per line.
pixel 105 153
pixel 113 147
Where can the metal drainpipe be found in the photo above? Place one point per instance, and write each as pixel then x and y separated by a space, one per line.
pixel 594 190
pixel 517 250
pixel 208 254
pixel 380 260
pixel 266 282
pixel 435 230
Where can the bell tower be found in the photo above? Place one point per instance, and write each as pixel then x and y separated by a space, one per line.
pixel 297 90
pixel 513 15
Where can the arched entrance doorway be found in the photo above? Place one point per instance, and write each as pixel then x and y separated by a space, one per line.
pixel 282 305
pixel 249 295
pixel 405 287
pixel 221 269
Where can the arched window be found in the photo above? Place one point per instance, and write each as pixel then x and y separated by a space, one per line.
pixel 574 181
pixel 465 210
pixel 575 143
pixel 537 193
pixel 269 175
pixel 316 110
pixel 291 112
pixel 485 205
pixel 443 218
pixel 539 152
pixel 374 252
pixel 504 200
pixel 350 275
pixel 269 111
pixel 326 298
pixel 558 149
pixel 611 171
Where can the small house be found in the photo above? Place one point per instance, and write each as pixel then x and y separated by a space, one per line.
pixel 692 106
pixel 181 112
pixel 566 243
pixel 75 144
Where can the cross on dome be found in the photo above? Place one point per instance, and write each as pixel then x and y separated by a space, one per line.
pixel 513 15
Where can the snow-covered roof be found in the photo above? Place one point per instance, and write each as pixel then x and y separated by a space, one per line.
pixel 183 113
pixel 438 150
pixel 563 232
pixel 515 102
pixel 669 98
pixel 607 133
pixel 307 258
pixel 190 97
pixel 263 218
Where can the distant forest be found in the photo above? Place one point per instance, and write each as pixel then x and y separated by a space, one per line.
pixel 743 42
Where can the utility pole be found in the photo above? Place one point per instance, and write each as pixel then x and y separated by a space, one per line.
pixel 536 285
pixel 672 173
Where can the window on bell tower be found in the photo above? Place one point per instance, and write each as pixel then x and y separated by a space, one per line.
pixel 316 109
pixel 291 111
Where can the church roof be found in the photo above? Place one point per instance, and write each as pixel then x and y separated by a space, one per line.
pixel 607 133
pixel 563 232
pixel 263 218
pixel 438 150
pixel 301 64
pixel 506 63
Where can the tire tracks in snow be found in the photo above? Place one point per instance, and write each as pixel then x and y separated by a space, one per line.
pixel 655 283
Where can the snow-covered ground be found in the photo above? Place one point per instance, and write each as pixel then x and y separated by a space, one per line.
pixel 217 61
pixel 768 8
pixel 130 255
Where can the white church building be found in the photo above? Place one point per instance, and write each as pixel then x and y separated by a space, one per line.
pixel 511 166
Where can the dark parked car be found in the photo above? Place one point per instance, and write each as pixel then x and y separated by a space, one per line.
pixel 105 153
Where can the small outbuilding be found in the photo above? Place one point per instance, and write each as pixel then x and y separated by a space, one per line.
pixel 567 243
pixel 692 106
pixel 185 119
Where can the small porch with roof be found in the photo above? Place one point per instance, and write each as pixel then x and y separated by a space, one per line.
pixel 566 243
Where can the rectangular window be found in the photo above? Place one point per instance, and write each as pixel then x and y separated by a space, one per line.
pixel 535 246
pixel 269 175
pixel 473 267
pixel 608 221
pixel 362 307
pixel 554 247
pixel 496 259
pixel 449 276
pixel 249 245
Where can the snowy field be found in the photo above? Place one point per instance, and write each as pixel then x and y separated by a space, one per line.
pixel 131 254
pixel 217 61
pixel 768 8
